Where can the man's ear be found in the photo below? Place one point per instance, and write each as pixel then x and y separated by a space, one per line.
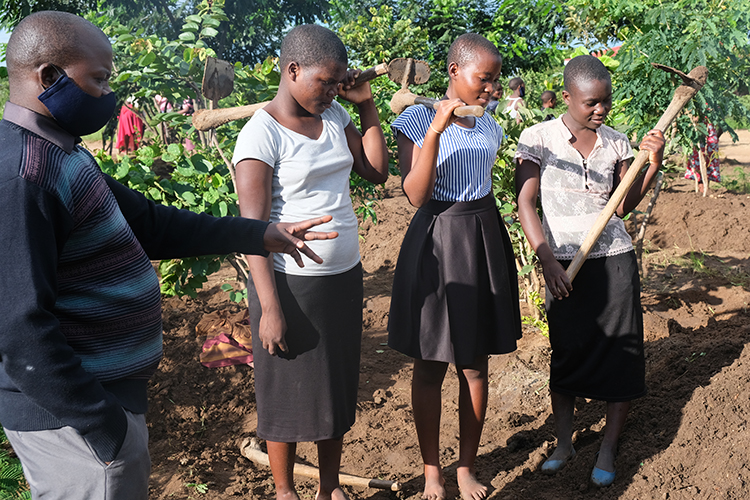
pixel 47 74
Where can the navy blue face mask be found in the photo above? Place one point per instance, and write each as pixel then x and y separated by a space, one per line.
pixel 522 92
pixel 77 112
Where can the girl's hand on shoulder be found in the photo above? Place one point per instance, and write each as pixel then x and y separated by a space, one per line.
pixel 354 94
pixel 557 280
pixel 271 331
pixel 444 116
pixel 654 144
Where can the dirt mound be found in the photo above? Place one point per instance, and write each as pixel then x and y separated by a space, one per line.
pixel 686 439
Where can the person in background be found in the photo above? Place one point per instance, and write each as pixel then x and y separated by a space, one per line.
pixel 129 128
pixel 495 97
pixel 709 149
pixel 515 101
pixel 549 101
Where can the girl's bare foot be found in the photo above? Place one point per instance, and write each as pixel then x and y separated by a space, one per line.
pixel 286 495
pixel 434 483
pixel 336 494
pixel 470 488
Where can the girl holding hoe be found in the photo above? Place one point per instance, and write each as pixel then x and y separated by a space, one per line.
pixel 293 159
pixel 573 164
pixel 455 294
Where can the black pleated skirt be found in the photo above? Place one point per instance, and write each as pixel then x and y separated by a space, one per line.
pixel 310 392
pixel 596 333
pixel 455 289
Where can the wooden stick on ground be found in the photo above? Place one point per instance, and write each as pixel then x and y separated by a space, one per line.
pixel 251 449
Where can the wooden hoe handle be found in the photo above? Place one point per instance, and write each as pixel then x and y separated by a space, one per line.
pixel 403 99
pixel 460 111
pixel 682 95
pixel 205 119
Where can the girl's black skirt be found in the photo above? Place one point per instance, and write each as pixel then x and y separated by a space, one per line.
pixel 310 392
pixel 597 332
pixel 455 290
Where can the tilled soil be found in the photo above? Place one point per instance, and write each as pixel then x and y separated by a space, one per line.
pixel 687 438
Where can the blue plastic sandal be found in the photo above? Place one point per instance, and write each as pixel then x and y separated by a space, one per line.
pixel 600 477
pixel 551 467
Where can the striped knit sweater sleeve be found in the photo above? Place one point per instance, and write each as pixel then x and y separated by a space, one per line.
pixel 80 319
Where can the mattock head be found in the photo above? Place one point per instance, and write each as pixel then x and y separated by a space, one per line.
pixel 408 71
pixel 696 78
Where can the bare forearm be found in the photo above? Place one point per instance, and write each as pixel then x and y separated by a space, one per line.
pixel 419 182
pixel 532 228
pixel 373 142
pixel 638 190
pixel 261 269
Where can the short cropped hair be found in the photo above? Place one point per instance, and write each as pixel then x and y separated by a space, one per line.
pixel 49 37
pixel 514 83
pixel 547 96
pixel 311 45
pixel 464 48
pixel 583 69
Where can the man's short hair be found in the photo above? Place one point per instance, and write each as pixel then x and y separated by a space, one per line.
pixel 514 83
pixel 547 96
pixel 465 47
pixel 584 69
pixel 311 45
pixel 49 37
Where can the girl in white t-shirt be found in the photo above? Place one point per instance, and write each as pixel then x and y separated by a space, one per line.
pixel 293 161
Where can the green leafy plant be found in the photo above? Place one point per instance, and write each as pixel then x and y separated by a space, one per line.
pixel 201 488
pixel 12 482
pixel 234 294
pixel 199 183
pixel 739 182
pixel 503 186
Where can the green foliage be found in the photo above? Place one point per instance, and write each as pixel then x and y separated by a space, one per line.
pixel 195 182
pixel 738 181
pixel 234 294
pixel 200 488
pixel 12 11
pixel 12 482
pixel 528 34
pixel 149 65
pixel 3 88
pixel 504 189
pixel 682 34
pixel 380 36
pixel 251 30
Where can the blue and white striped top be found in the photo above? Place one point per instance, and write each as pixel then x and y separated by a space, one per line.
pixel 466 155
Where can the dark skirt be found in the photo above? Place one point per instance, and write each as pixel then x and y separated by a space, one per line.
pixel 455 290
pixel 310 392
pixel 596 333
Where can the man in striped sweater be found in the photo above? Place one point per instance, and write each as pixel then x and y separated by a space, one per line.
pixel 80 316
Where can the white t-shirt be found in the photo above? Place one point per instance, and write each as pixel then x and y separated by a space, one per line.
pixel 310 179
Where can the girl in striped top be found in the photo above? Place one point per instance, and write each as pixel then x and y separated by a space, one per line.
pixel 455 294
